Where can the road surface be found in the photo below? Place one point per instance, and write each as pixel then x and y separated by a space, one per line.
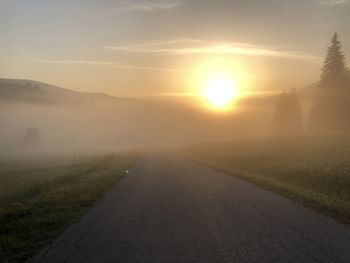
pixel 173 210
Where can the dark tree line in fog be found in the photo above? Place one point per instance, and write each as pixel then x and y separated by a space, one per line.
pixel 288 116
pixel 330 110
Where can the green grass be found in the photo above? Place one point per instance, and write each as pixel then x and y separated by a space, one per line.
pixel 39 198
pixel 313 171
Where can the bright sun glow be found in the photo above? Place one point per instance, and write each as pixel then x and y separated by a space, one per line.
pixel 220 90
pixel 219 83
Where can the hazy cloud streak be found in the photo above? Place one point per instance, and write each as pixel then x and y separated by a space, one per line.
pixel 107 64
pixel 72 61
pixel 195 46
pixel 332 2
pixel 144 6
pixel 150 68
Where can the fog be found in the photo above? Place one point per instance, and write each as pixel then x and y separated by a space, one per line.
pixel 106 124
pixel 40 118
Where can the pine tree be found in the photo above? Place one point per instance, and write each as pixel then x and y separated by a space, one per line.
pixel 334 70
pixel 331 107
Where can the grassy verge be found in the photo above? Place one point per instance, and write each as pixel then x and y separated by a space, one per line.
pixel 35 212
pixel 313 172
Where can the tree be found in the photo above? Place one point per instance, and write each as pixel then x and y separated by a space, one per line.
pixel 31 138
pixel 334 71
pixel 331 107
pixel 288 115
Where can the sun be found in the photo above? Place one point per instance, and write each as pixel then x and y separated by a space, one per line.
pixel 220 91
pixel 217 84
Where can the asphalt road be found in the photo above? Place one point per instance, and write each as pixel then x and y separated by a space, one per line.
pixel 173 210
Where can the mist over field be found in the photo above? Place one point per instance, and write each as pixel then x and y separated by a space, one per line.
pixel 68 121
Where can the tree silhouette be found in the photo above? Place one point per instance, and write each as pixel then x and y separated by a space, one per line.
pixel 331 107
pixel 288 115
pixel 334 70
pixel 31 138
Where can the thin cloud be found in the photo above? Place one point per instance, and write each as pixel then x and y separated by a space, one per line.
pixel 172 42
pixel 195 46
pixel 143 6
pixel 150 68
pixel 151 5
pixel 332 2
pixel 166 46
pixel 108 64
pixel 287 3
pixel 72 62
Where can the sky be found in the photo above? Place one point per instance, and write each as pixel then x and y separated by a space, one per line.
pixel 137 47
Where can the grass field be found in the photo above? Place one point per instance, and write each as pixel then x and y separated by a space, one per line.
pixel 314 171
pixel 39 197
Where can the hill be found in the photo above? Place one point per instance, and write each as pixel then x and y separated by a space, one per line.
pixel 35 92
